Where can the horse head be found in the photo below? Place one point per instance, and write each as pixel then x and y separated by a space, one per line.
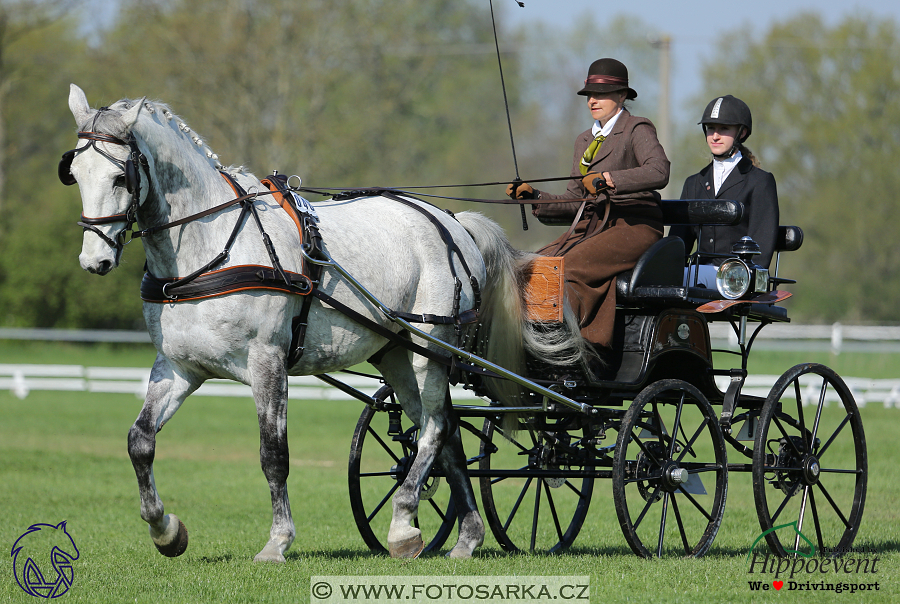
pixel 107 166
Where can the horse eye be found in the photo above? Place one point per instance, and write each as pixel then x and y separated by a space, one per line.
pixel 119 181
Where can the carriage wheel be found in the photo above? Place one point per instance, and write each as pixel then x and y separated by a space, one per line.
pixel 374 478
pixel 533 500
pixel 809 463
pixel 670 474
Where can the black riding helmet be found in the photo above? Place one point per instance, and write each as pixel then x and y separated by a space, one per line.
pixel 732 111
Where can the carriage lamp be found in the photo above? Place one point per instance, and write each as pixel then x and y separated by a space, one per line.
pixel 739 276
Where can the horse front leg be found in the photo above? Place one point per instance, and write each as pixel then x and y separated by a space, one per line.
pixel 270 392
pixel 165 394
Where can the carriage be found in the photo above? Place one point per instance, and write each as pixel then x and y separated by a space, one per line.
pixel 649 426
pixel 308 296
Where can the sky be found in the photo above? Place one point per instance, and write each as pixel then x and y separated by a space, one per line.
pixel 695 27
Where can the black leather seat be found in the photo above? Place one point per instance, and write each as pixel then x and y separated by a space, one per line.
pixel 661 266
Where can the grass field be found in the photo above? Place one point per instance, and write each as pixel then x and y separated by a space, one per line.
pixel 63 457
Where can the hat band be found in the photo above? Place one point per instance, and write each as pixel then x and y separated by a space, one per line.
pixel 602 79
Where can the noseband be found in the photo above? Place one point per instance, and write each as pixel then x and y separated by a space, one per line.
pixel 131 169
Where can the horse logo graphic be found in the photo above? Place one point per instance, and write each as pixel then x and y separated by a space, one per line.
pixel 797 552
pixel 42 547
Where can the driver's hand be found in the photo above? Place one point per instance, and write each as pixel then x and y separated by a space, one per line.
pixel 521 190
pixel 594 182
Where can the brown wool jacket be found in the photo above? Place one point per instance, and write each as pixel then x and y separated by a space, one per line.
pixel 633 157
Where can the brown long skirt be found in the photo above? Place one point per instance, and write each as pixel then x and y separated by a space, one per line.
pixel 592 263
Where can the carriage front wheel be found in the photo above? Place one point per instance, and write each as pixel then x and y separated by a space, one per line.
pixel 809 463
pixel 373 478
pixel 670 474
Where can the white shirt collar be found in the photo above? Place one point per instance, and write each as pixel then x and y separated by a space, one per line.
pixel 605 130
pixel 722 168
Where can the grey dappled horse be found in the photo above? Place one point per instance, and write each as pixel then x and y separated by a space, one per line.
pixel 389 247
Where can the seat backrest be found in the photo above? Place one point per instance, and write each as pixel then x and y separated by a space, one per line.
pixel 662 264
pixel 702 211
pixel 790 238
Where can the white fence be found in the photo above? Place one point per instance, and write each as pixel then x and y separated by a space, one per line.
pixel 22 379
pixel 834 338
pixel 779 336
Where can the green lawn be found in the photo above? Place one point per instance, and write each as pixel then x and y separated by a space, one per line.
pixel 63 457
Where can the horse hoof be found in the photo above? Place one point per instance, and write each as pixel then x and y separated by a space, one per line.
pixel 269 554
pixel 174 540
pixel 460 554
pixel 410 547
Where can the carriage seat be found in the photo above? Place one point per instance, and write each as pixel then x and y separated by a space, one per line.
pixel 660 269
pixel 659 272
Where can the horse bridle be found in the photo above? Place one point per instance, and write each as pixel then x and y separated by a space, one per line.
pixel 131 169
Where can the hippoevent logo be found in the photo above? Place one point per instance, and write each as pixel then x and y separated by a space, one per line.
pixel 851 570
pixel 42 560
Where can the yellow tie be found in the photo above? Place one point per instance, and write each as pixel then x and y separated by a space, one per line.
pixel 590 153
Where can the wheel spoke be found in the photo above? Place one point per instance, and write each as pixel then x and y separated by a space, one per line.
pixel 437 509
pixel 833 436
pixel 515 508
pixel 650 501
pixel 833 504
pixel 684 540
pixel 383 501
pixel 786 499
pixel 384 445
pixel 534 517
pixel 513 441
pixel 574 489
pixel 502 478
pixel 822 392
pixel 675 426
pixel 695 502
pixel 690 444
pixel 553 513
pixel 662 524
pixel 800 412
pixel 815 513
pixel 643 448
pixel 788 439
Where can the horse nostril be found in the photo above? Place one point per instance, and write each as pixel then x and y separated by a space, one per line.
pixel 104 267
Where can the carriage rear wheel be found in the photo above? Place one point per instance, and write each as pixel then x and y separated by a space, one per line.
pixel 536 481
pixel 374 477
pixel 670 474
pixel 809 463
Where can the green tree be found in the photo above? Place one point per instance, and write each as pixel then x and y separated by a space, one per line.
pixel 41 283
pixel 827 125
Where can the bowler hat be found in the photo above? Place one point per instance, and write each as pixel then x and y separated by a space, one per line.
pixel 607 75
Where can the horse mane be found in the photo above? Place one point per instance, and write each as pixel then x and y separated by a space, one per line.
pixel 173 126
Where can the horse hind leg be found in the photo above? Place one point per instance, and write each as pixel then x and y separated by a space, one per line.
pixel 165 394
pixel 421 387
pixel 471 526
pixel 270 393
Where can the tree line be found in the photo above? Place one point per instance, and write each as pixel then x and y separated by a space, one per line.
pixel 407 93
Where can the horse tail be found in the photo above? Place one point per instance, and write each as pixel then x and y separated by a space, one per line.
pixel 503 335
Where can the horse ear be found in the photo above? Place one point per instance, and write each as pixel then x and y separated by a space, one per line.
pixel 78 105
pixel 130 116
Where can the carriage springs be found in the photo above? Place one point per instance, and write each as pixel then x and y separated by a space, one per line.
pixel 814 573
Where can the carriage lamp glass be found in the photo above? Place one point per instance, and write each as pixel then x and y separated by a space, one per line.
pixel 733 279
pixel 761 279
